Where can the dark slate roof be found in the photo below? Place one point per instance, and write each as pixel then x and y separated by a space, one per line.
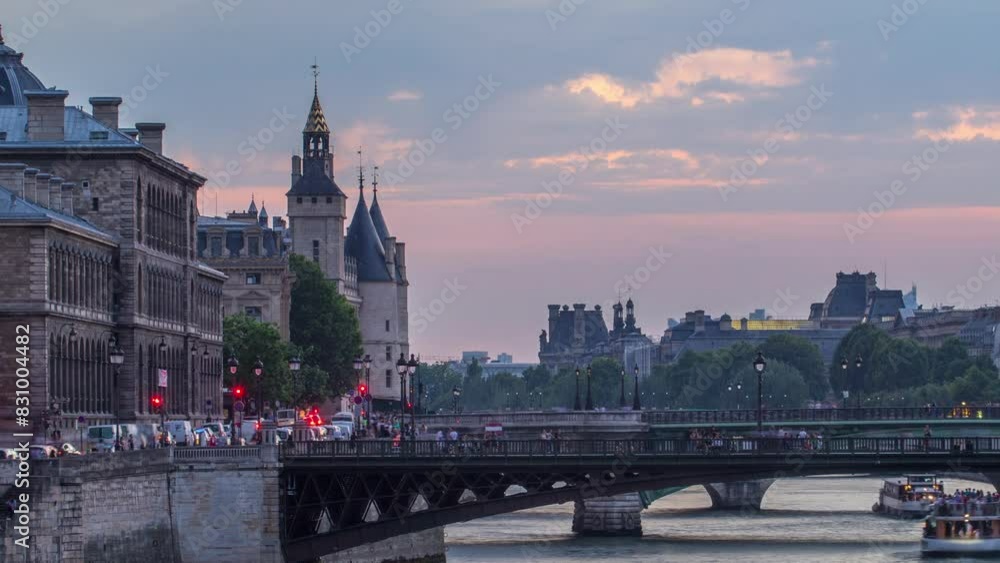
pixel 18 209
pixel 81 129
pixel 884 303
pixel 15 78
pixel 849 298
pixel 364 245
pixel 379 220
pixel 315 182
pixel 594 329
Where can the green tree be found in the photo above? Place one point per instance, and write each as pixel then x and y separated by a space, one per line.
pixel 248 339
pixel 803 356
pixel 537 377
pixel 324 325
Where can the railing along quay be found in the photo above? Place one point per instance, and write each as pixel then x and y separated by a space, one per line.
pixel 680 448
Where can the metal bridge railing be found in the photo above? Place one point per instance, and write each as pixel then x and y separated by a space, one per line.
pixel 736 447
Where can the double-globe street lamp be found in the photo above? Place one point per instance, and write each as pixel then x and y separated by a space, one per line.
pixel 456 393
pixel 635 394
pixel 858 380
pixel 404 368
pixel 758 366
pixel 258 371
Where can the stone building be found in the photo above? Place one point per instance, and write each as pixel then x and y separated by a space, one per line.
pixel 368 264
pixel 254 257
pixel 98 231
pixel 577 337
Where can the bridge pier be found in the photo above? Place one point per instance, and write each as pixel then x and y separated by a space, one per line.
pixel 618 515
pixel 738 494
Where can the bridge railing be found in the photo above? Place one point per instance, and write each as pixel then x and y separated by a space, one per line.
pixel 639 447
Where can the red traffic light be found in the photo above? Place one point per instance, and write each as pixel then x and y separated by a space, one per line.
pixel 363 390
pixel 156 401
pixel 238 392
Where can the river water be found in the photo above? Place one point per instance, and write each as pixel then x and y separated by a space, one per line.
pixel 803 520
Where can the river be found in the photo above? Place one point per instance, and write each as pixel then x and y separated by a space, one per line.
pixel 806 519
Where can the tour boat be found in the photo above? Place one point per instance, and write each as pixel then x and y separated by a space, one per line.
pixel 972 527
pixel 910 496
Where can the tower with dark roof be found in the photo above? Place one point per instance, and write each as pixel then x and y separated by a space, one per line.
pixel 317 208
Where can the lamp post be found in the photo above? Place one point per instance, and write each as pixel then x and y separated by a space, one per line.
pixel 358 364
pixel 117 358
pixel 636 405
pixel 402 368
pixel 367 361
pixel 758 366
pixel 258 371
pixel 234 365
pixel 294 365
pixel 860 376
pixel 411 369
pixel 576 395
pixel 621 398
pixel 456 392
pixel 590 402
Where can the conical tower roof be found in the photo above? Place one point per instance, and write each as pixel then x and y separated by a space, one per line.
pixel 376 212
pixel 364 245
pixel 316 123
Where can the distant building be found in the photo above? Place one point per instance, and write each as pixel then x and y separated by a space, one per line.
pixel 758 315
pixel 976 328
pixel 480 356
pixel 577 337
pixel 254 256
pixel 504 358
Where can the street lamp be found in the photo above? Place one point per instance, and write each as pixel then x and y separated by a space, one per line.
pixel 367 361
pixel 258 370
pixel 234 365
pixel 456 392
pixel 636 405
pixel 294 365
pixel 117 357
pixel 411 369
pixel 860 376
pixel 758 366
pixel 590 402
pixel 621 398
pixel 402 368
pixel 576 395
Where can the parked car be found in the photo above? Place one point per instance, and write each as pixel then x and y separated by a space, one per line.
pixel 202 435
pixel 180 432
pixel 220 432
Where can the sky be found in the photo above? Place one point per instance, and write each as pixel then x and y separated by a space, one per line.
pixel 723 155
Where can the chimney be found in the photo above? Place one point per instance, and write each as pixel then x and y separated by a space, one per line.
pixel 390 255
pixel 105 110
pixel 579 324
pixel 46 115
pixel 699 321
pixel 12 177
pixel 151 136
pixel 296 169
pixel 67 197
pixel 401 259
pixel 133 133
pixel 42 189
pixel 553 318
pixel 30 177
pixel 744 324
pixel 55 193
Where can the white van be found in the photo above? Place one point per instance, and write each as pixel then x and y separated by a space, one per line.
pixel 101 437
pixel 180 432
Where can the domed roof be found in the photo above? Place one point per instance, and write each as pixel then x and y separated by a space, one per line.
pixel 15 78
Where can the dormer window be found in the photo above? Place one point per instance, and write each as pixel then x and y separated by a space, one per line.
pixel 98 135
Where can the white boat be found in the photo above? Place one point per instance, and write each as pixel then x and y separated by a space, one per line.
pixel 909 496
pixel 972 527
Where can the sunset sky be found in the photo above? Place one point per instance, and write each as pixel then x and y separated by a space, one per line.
pixel 723 155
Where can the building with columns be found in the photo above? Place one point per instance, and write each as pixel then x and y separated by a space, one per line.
pixel 97 227
pixel 367 263
pixel 253 255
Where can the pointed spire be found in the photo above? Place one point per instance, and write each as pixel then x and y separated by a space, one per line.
pixel 361 174
pixel 376 211
pixel 375 183
pixel 1 34
pixel 253 204
pixel 316 123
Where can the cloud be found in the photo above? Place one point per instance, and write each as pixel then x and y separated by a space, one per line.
pixel 678 76
pixel 377 140
pixel 612 159
pixel 405 96
pixel 967 124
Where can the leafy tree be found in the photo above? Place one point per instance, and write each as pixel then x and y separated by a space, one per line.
pixel 804 356
pixel 537 377
pixel 248 339
pixel 324 325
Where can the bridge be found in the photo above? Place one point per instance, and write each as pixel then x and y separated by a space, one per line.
pixel 337 495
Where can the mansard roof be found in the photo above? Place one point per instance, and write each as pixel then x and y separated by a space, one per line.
pixel 365 246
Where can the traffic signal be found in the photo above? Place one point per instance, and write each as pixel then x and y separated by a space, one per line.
pixel 363 390
pixel 238 392
pixel 157 402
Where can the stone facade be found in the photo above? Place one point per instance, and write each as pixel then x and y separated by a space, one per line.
pixel 101 228
pixel 254 257
pixel 367 263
